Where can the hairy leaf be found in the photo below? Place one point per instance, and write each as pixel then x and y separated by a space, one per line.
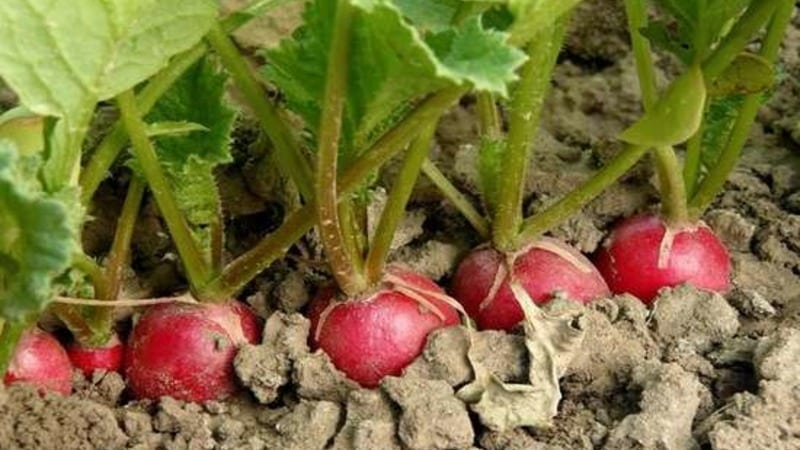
pixel 391 65
pixel 36 239
pixel 190 158
pixel 533 16
pixel 64 56
pixel 718 122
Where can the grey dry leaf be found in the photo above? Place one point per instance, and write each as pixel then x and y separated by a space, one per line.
pixel 552 341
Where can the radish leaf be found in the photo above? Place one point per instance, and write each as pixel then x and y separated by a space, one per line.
pixel 391 65
pixel 37 238
pixel 190 159
pixel 676 116
pixel 57 71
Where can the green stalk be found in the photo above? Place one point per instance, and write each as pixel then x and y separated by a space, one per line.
pixel 9 336
pixel 585 193
pixel 93 270
pixel 454 196
pixel 637 20
pixel 671 185
pixel 396 203
pixel 197 269
pixel 488 116
pixel 108 150
pixel 715 179
pixel 247 266
pixel 120 247
pixel 288 154
pixel 691 163
pixel 526 106
pixel 344 264
pixel 757 14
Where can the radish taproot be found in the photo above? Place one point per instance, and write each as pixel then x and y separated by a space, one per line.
pixel 106 357
pixel 643 254
pixel 41 361
pixel 379 334
pixel 545 268
pixel 186 351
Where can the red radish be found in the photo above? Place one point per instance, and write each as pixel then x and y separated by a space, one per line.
pixel 107 357
pixel 40 360
pixel 186 351
pixel 544 268
pixel 380 334
pixel 643 255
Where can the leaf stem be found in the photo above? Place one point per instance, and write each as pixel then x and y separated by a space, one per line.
pixel 10 333
pixel 108 150
pixel 344 263
pixel 691 163
pixel 120 247
pixel 488 116
pixel 396 203
pixel 87 265
pixel 671 185
pixel 288 153
pixel 714 181
pixel 454 196
pixel 555 214
pixel 197 269
pixel 526 107
pixel 247 266
pixel 637 20
pixel 757 14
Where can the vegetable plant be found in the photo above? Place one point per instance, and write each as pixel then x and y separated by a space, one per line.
pixel 712 106
pixel 375 321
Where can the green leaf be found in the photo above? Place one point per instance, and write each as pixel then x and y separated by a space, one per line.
pixel 64 56
pixel 676 116
pixel 718 122
pixel 747 74
pixel 198 100
pixel 24 129
pixel 699 25
pixel 36 241
pixel 391 65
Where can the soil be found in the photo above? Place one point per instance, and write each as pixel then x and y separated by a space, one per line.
pixel 695 371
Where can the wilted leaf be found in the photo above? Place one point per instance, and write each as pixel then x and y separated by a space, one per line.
pixel 552 343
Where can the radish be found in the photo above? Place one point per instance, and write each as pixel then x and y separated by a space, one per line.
pixel 545 268
pixel 380 333
pixel 186 351
pixel 40 360
pixel 106 357
pixel 642 255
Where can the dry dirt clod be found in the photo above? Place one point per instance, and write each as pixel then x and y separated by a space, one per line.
pixel 370 423
pixel 769 420
pixel 54 422
pixel 733 229
pixel 699 317
pixel 316 378
pixel 265 368
pixel 308 426
pixel 670 398
pixel 432 418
